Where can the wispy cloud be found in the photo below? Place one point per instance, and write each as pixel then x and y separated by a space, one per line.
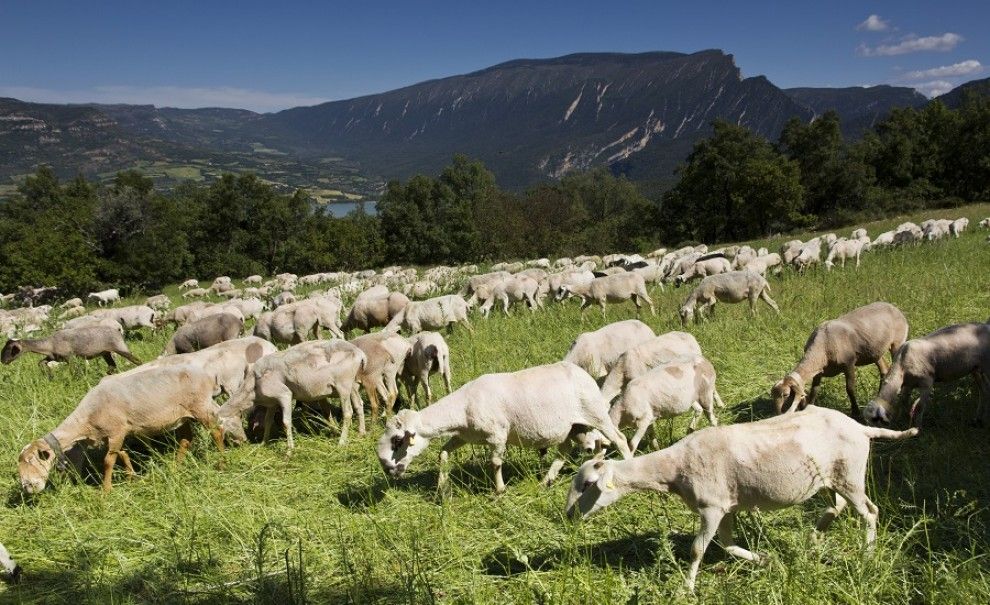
pixel 874 23
pixel 913 44
pixel 167 96
pixel 934 88
pixel 963 68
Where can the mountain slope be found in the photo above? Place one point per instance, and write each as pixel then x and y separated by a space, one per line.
pixel 859 107
pixel 954 98
pixel 533 119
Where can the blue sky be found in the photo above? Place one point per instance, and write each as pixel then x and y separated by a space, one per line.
pixel 271 55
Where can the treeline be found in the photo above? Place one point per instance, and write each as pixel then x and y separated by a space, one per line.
pixel 735 185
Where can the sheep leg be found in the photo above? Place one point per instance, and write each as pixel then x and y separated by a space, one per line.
pixel 766 298
pixel 555 466
pixel 445 372
pixel 113 449
pixel 708 404
pixel 269 419
pixel 831 513
pixel 710 521
pixel 498 450
pixel 425 379
pixel 882 367
pixel 185 435
pixel 358 405
pixel 642 425
pixel 725 531
pixel 851 391
pixel 369 388
pixel 285 401
pixel 393 392
pixel 866 508
pixel 111 364
pixel 696 410
pixel 127 464
pixel 452 444
pixel 816 386
pixel 918 409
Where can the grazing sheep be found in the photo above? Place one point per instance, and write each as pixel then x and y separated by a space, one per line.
pixel 768 464
pixel 907 233
pixel 205 332
pixel 253 280
pixel 195 293
pixel 514 288
pixel 158 302
pixel 374 311
pixel 669 390
pixel 761 264
pixel 935 229
pixel 642 358
pixel 311 371
pixel 428 353
pixel 87 321
pixel 11 569
pixel 790 250
pixel 85 342
pixel 957 226
pixel 72 302
pixel 810 254
pixel 942 356
pixel 743 256
pixel 432 314
pixel 884 239
pixel 857 338
pixel 105 297
pixel 473 283
pixel 597 352
pixel 249 308
pixel 611 288
pixel 985 223
pixel 731 287
pixel 703 267
pixel 421 289
pixel 385 352
pixel 133 317
pixel 142 404
pixel 844 249
pixel 72 312
pixel 859 234
pixel 553 282
pixel 285 298
pixel 189 283
pixel 538 407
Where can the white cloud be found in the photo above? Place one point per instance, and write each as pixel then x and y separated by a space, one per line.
pixel 913 44
pixel 934 88
pixel 874 23
pixel 963 68
pixel 167 96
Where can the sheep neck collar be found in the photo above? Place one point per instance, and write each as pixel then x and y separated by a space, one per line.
pixel 61 458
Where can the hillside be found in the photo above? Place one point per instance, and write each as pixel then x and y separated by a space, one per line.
pixel 860 107
pixel 954 97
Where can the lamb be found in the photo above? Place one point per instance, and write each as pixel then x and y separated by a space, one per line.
pixel 611 288
pixel 428 353
pixel 642 358
pixel 253 280
pixel 731 287
pixel 704 267
pixel 311 371
pixel 143 404
pixel 105 297
pixel 195 293
pixel 942 356
pixel 189 283
pixel 597 352
pixel 158 302
pixel 857 338
pixel 432 314
pixel 205 332
pixel 385 352
pixel 374 311
pixel 86 342
pixel 768 464
pixel 669 390
pixel 537 407
pixel 844 249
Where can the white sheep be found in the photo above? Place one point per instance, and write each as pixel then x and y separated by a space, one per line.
pixel 515 288
pixel 858 338
pixel 985 223
pixel 768 464
pixel 195 293
pixel 943 356
pixel 642 358
pixel 610 289
pixel 133 317
pixel 538 407
pixel 432 314
pixel 253 280
pixel 810 254
pixel 385 353
pixel 105 297
pixel 145 403
pixel 790 250
pixel 859 234
pixel 189 283
pixel 666 391
pixel 703 267
pixel 957 226
pixel 732 287
pixel 844 249
pixel 598 351
pixel 158 302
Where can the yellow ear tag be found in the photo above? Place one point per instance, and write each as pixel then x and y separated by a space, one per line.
pixel 610 485
pixel 412 440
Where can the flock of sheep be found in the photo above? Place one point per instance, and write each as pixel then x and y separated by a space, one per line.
pixel 716 472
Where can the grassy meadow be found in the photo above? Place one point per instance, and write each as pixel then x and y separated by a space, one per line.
pixel 327 526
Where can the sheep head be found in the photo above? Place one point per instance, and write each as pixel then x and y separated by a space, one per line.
pixel 34 464
pixel 400 443
pixel 788 393
pixel 592 489
pixel 11 351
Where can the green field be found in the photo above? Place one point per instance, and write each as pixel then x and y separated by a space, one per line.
pixel 327 526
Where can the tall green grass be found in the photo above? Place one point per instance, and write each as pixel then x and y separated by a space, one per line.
pixel 326 525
